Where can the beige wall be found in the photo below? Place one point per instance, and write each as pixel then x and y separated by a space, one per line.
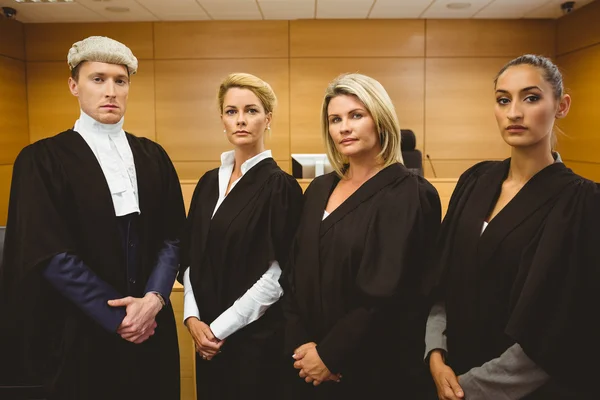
pixel 14 132
pixel 578 49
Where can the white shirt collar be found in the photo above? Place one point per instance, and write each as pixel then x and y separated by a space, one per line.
pixel 109 144
pixel 228 160
pixel 87 124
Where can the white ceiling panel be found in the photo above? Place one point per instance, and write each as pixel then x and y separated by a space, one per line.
pixel 133 11
pixel 397 9
pixel 53 12
pixel 175 10
pixel 509 9
pixel 552 9
pixel 440 9
pixel 343 8
pixel 287 9
pixel 231 9
pixel 198 10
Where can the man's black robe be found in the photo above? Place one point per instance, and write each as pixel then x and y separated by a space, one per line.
pixel 60 203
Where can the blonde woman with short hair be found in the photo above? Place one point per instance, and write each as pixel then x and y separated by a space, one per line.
pixel 355 318
pixel 242 218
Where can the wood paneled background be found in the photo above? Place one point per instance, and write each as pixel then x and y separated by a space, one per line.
pixel 578 55
pixel 439 73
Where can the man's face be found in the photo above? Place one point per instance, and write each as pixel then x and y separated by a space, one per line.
pixel 102 90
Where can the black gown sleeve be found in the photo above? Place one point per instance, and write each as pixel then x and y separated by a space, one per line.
pixel 404 227
pixel 285 207
pixel 167 261
pixel 552 314
pixel 433 282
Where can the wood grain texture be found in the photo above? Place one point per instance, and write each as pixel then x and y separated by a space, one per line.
pixel 52 108
pixel 579 29
pixel 459 104
pixel 489 38
pixel 357 38
pixel 403 79
pixel 12 42
pixel 188 123
pixel 581 127
pixel 14 130
pixel 221 39
pixel 51 42
pixel 587 170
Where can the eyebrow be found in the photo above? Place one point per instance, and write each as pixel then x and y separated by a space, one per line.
pixel 527 89
pixel 102 74
pixel 349 112
pixel 246 106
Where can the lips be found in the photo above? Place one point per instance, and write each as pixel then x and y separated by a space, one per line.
pixel 516 128
pixel 110 106
pixel 242 132
pixel 348 140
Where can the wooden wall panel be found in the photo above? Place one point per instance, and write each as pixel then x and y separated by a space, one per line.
pixel 53 109
pixel 489 38
pixel 13 39
pixel 188 123
pixel 588 170
pixel 357 38
pixel 448 169
pixel 186 346
pixel 51 42
pixel 5 178
pixel 581 127
pixel 444 187
pixel 403 79
pixel 221 39
pixel 459 104
pixel 579 29
pixel 14 131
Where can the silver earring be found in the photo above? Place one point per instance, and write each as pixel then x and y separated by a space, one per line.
pixel 224 130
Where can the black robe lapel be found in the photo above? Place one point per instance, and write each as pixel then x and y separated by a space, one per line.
pixel 480 203
pixel 84 169
pixel 539 190
pixel 363 193
pixel 250 183
pixel 204 210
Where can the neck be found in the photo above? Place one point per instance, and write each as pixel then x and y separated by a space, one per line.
pixel 527 161
pixel 243 154
pixel 362 169
pixel 88 123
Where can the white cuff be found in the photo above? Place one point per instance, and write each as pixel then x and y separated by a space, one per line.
pixel 190 308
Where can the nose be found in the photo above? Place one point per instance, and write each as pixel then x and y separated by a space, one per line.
pixel 514 112
pixel 241 119
pixel 110 88
pixel 344 126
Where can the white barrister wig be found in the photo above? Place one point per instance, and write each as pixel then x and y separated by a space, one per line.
pixel 102 49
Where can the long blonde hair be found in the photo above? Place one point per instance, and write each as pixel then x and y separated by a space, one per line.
pixel 378 103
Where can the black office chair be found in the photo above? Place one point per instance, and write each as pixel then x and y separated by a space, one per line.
pixel 413 158
pixel 12 391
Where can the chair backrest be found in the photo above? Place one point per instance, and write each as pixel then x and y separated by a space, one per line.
pixel 413 158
